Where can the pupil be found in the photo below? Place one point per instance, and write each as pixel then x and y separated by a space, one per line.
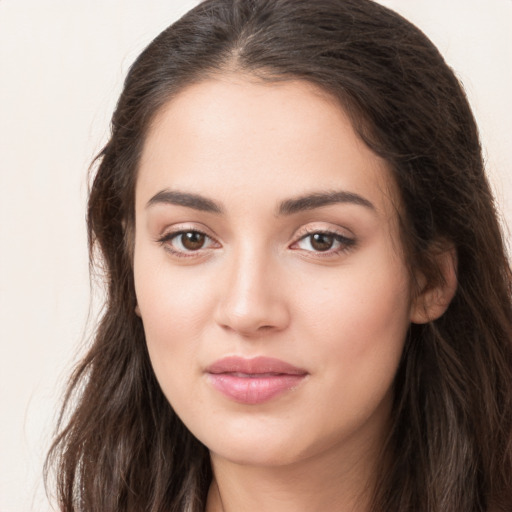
pixel 192 240
pixel 322 242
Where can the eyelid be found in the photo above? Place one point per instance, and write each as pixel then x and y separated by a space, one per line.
pixel 184 227
pixel 348 241
pixel 313 228
pixel 172 232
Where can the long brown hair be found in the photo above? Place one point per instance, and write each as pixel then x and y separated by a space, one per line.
pixel 121 447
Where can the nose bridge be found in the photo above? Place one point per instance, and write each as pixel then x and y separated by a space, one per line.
pixel 251 297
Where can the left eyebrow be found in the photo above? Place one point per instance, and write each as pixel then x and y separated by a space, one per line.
pixel 320 199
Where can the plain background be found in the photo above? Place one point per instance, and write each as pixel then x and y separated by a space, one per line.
pixel 61 68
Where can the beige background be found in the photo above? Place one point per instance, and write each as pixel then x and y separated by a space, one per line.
pixel 61 69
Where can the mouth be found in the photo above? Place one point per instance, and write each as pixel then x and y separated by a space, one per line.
pixel 253 381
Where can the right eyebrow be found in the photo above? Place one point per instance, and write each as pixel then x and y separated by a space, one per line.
pixel 187 199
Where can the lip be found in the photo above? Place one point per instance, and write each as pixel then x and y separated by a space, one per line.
pixel 253 381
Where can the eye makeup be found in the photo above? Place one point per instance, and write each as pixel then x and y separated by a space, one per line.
pixel 315 242
pixel 186 243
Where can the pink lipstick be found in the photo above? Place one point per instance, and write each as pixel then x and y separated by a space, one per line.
pixel 253 381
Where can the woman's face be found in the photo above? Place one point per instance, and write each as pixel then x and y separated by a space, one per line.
pixel 269 273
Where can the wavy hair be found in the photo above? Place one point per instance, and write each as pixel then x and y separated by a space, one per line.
pixel 120 446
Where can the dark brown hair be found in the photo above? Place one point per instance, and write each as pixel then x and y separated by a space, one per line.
pixel 121 447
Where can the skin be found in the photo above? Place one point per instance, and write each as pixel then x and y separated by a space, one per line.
pixel 258 286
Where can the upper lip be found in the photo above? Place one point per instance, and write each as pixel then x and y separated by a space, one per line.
pixel 254 366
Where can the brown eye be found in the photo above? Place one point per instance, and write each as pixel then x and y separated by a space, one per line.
pixel 322 241
pixel 327 242
pixel 189 243
pixel 192 240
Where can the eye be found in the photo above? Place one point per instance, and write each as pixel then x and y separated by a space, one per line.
pixel 185 242
pixel 324 242
pixel 191 240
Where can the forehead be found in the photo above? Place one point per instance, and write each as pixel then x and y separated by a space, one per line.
pixel 236 136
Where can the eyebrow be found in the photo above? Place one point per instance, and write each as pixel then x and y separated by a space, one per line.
pixel 195 201
pixel 320 199
pixel 287 207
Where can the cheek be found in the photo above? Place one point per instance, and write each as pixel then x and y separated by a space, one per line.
pixel 175 307
pixel 359 331
pixel 360 317
pixel 168 294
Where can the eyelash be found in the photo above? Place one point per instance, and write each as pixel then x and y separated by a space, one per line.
pixel 345 243
pixel 167 238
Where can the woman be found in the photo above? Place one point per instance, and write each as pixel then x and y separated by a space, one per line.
pixel 308 295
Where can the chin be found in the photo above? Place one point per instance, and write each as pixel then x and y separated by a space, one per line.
pixel 267 447
pixel 255 447
pixel 252 454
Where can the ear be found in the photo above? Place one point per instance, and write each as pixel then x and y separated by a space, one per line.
pixel 137 310
pixel 433 299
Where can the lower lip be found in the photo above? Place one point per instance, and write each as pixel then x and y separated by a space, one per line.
pixel 254 389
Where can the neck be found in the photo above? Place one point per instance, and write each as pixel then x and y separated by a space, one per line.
pixel 313 485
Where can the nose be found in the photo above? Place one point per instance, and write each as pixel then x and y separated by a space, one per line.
pixel 252 300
